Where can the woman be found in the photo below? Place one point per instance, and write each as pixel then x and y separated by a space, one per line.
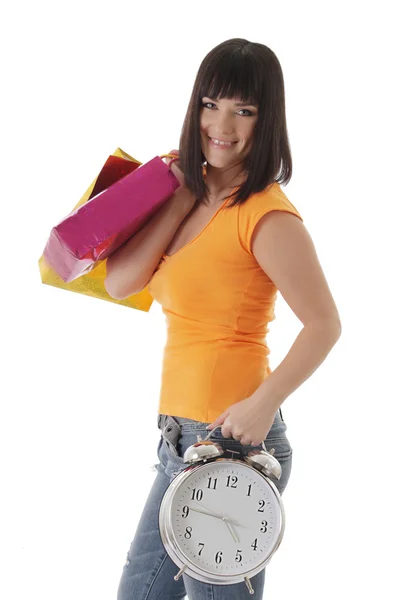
pixel 214 257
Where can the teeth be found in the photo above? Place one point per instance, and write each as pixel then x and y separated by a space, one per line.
pixel 222 143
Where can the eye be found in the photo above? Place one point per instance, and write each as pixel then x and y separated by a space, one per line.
pixel 246 110
pixel 250 114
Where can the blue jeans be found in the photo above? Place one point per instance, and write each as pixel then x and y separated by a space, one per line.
pixel 148 573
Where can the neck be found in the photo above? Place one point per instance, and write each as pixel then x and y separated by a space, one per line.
pixel 221 183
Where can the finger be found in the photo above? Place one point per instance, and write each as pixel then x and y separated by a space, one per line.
pixel 219 420
pixel 244 442
pixel 174 153
pixel 174 161
pixel 226 433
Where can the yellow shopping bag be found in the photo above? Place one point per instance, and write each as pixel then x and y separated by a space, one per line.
pixel 92 283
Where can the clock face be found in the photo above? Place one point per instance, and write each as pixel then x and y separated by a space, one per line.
pixel 252 528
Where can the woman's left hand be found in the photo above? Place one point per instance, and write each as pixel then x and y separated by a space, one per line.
pixel 248 421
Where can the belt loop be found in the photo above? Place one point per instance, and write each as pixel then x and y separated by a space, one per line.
pixel 280 411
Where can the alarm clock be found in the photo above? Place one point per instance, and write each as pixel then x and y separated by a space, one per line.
pixel 222 519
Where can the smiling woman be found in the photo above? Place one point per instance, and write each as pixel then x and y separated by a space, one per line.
pixel 216 270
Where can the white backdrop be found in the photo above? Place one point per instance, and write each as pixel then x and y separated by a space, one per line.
pixel 80 377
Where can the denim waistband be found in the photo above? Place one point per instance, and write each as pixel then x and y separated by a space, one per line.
pixel 171 426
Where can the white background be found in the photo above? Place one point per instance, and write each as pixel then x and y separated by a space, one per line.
pixel 80 376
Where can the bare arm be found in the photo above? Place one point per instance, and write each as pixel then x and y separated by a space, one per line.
pixel 131 267
pixel 285 251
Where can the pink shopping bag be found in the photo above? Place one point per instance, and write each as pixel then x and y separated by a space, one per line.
pixel 126 195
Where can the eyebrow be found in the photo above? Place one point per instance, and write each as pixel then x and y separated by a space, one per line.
pixel 236 103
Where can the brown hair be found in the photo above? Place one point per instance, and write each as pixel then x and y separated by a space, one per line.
pixel 251 72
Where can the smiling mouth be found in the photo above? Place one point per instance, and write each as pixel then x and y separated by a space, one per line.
pixel 221 145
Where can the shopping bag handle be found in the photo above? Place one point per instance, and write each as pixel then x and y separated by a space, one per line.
pixel 173 156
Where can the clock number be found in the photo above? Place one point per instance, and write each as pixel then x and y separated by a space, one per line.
pixel 201 549
pixel 254 544
pixel 188 532
pixel 185 512
pixel 262 504
pixel 197 494
pixel 214 484
pixel 234 480
pixel 218 557
pixel 264 527
pixel 238 556
pixel 249 492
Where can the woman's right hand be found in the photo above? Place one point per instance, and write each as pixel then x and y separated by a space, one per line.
pixel 175 168
pixel 182 195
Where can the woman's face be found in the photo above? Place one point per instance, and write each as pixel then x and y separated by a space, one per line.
pixel 226 120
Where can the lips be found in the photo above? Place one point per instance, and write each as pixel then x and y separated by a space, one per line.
pixel 226 141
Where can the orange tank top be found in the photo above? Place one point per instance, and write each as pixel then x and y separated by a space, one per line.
pixel 218 302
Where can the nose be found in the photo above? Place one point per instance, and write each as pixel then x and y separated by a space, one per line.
pixel 224 125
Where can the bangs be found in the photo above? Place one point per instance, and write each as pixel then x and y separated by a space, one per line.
pixel 234 77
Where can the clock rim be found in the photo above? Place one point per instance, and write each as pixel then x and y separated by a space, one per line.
pixel 177 555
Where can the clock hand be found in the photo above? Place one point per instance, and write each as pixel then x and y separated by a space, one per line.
pixel 211 513
pixel 204 512
pixel 226 521
pixel 231 529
